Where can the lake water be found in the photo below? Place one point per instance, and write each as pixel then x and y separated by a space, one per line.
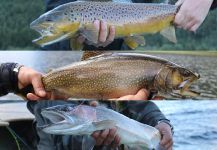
pixel 195 122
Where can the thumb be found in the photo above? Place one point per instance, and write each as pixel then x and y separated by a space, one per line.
pixel 38 86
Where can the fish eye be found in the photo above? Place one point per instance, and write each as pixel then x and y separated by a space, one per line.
pixel 49 20
pixel 186 73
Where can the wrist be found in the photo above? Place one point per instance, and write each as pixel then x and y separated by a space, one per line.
pixel 168 123
pixel 9 76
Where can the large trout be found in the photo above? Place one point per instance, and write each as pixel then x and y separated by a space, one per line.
pixel 113 75
pixel 84 120
pixel 131 20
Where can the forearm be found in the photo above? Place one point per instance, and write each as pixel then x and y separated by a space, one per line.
pixel 8 78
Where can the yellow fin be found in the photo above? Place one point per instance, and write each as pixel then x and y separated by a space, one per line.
pixel 134 41
pixel 169 33
pixel 90 33
pixel 75 45
pixel 88 54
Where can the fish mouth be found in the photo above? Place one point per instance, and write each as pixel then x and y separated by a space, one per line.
pixel 59 122
pixel 48 33
pixel 50 39
pixel 183 90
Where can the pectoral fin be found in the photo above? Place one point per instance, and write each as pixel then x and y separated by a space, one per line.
pixel 90 33
pixel 88 143
pixel 169 33
pixel 105 124
pixel 75 45
pixel 134 41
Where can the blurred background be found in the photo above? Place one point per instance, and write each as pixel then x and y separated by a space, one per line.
pixel 15 34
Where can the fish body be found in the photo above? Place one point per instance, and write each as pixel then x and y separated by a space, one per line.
pixel 113 75
pixel 73 119
pixel 131 20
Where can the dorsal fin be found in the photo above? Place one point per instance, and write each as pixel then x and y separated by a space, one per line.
pixel 88 54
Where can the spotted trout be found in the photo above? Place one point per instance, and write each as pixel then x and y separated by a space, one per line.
pixel 113 75
pixel 74 119
pixel 131 21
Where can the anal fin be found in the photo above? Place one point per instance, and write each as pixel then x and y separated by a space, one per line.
pixel 75 45
pixel 169 33
pixel 134 41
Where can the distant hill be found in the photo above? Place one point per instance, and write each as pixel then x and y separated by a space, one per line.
pixel 16 15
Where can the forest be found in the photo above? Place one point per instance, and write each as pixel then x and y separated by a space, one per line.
pixel 15 34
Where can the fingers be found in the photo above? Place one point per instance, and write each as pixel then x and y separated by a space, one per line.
pixel 111 35
pixel 110 136
pixel 94 103
pixel 140 95
pixel 116 142
pixel 167 139
pixel 37 85
pixel 33 97
pixel 191 14
pixel 169 145
pixel 106 36
pixel 103 32
pixel 106 137
pixel 102 136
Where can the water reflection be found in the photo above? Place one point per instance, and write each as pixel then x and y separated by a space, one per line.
pixel 43 61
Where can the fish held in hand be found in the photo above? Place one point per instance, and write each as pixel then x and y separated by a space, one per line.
pixel 131 20
pixel 113 75
pixel 74 119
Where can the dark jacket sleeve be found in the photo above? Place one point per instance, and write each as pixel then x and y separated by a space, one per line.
pixel 8 78
pixel 145 112
pixel 214 4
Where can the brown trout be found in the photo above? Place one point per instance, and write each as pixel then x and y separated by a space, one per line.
pixel 131 21
pixel 113 75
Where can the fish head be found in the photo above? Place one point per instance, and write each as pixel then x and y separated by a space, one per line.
pixel 179 79
pixel 68 119
pixel 54 26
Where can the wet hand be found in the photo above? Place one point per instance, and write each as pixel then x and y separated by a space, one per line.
pixel 166 133
pixel 192 13
pixel 106 34
pixel 107 137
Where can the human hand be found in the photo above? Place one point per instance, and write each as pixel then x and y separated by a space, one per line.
pixel 192 13
pixel 166 133
pixel 27 76
pixel 140 95
pixel 105 37
pixel 107 137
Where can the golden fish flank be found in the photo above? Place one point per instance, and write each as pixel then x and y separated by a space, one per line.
pixel 114 75
pixel 131 20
